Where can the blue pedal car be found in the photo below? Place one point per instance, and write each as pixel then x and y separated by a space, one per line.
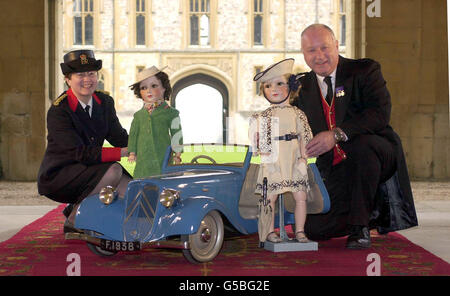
pixel 190 206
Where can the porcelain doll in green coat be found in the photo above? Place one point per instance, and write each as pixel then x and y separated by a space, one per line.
pixel 155 126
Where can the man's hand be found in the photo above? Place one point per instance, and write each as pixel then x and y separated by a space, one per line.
pixel 320 144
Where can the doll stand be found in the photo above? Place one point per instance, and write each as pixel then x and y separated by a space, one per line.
pixel 288 244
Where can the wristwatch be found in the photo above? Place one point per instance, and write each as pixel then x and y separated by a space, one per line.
pixel 339 135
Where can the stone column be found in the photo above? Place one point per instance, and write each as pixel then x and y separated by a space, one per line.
pixel 409 39
pixel 23 87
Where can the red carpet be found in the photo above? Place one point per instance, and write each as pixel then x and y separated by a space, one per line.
pixel 40 249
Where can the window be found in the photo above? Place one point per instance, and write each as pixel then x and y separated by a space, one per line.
pixel 199 20
pixel 83 22
pixel 258 22
pixel 342 23
pixel 140 22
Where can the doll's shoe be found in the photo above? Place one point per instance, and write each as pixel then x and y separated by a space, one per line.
pixel 301 237
pixel 273 237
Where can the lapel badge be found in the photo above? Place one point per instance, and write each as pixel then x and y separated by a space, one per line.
pixel 83 59
pixel 340 91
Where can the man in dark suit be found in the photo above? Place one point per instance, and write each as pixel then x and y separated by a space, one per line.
pixel 360 157
pixel 75 163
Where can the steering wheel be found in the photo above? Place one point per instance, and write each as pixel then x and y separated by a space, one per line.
pixel 194 160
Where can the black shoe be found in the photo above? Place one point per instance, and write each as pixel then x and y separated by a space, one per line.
pixel 359 238
pixel 67 210
pixel 69 227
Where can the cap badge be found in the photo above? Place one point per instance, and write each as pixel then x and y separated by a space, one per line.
pixel 83 59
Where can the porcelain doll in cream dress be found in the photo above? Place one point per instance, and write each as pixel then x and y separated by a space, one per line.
pixel 279 135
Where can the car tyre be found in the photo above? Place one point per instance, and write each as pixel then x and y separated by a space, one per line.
pixel 207 242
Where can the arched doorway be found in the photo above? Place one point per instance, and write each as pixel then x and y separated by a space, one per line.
pixel 203 104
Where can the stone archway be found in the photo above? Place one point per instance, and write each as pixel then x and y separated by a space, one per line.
pixel 207 114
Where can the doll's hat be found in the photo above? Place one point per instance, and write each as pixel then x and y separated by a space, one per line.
pixel 148 72
pixel 275 70
pixel 82 60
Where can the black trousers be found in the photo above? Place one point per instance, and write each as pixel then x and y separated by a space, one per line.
pixel 79 188
pixel 352 186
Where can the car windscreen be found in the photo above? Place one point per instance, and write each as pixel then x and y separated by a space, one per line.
pixel 209 154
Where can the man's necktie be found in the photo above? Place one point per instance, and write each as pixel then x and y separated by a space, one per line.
pixel 329 96
pixel 87 110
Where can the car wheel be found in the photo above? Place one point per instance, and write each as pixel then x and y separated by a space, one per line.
pixel 206 243
pixel 97 250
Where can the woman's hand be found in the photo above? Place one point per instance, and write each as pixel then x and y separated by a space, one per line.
pixel 124 152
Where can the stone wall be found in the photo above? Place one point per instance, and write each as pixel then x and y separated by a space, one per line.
pixel 168 34
pixel 410 42
pixel 23 67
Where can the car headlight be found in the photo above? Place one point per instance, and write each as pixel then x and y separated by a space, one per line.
pixel 168 197
pixel 107 195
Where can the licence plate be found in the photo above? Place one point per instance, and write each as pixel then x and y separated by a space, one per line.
pixel 110 245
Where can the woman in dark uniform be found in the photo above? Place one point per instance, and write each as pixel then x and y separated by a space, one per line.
pixel 76 164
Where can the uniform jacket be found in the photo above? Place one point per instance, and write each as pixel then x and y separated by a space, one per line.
pixel 364 107
pixel 150 135
pixel 75 140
